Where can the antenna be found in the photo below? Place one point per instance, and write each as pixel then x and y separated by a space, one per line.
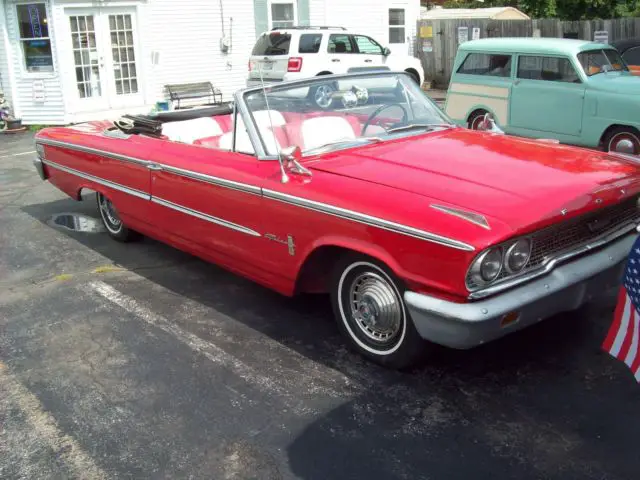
pixel 284 177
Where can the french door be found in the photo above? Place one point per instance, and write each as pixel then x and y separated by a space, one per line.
pixel 105 59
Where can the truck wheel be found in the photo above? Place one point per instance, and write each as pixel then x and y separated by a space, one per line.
pixel 369 308
pixel 112 222
pixel 623 140
pixel 475 119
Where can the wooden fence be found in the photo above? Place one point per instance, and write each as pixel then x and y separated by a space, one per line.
pixel 437 40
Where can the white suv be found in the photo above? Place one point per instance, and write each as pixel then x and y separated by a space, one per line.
pixel 303 52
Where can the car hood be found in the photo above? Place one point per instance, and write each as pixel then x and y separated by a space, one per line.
pixel 616 82
pixel 518 181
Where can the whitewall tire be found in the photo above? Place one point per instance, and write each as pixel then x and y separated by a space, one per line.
pixel 112 222
pixel 368 304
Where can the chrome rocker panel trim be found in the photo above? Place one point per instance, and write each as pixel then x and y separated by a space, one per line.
pixel 204 216
pixel 100 181
pixel 566 288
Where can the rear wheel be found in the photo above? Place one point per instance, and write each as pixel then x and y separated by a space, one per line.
pixel 414 76
pixel 112 222
pixel 475 119
pixel 369 308
pixel 623 140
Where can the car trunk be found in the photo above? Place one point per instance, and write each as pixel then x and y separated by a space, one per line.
pixel 270 56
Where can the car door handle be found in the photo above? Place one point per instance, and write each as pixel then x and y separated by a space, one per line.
pixel 335 59
pixel 154 166
pixel 368 60
pixel 516 82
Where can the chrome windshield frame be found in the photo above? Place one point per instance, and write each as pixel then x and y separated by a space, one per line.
pixel 252 130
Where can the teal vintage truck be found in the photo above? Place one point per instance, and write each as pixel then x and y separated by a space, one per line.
pixel 575 91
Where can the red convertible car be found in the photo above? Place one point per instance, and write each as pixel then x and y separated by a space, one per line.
pixel 359 186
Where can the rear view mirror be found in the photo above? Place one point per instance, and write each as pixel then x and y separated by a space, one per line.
pixel 386 52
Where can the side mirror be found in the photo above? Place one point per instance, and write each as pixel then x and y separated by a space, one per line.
pixel 386 52
pixel 290 158
pixel 489 124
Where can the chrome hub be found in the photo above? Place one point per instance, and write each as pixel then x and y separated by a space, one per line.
pixel 375 307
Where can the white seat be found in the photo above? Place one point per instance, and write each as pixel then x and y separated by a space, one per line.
pixel 186 131
pixel 243 142
pixel 322 130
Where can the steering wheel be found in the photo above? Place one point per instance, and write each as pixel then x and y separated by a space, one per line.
pixel 380 109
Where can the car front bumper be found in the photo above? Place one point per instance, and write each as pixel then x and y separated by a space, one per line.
pixel 566 288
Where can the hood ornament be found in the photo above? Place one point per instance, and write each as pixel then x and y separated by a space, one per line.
pixel 471 217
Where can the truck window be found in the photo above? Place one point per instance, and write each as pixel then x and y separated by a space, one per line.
pixel 552 69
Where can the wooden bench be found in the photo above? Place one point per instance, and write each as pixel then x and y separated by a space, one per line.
pixel 193 91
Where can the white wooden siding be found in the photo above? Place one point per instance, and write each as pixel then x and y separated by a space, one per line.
pixel 52 110
pixel 187 39
pixel 5 75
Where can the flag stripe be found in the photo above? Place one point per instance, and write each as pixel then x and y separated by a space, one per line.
pixel 631 354
pixel 617 316
pixel 621 332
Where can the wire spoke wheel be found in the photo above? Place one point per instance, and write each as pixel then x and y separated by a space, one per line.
pixel 109 214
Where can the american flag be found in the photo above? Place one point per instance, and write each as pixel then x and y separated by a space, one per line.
pixel 623 339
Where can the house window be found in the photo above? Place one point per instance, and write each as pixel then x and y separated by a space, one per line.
pixel 396 25
pixel 34 37
pixel 283 13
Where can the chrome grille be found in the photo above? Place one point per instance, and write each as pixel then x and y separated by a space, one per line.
pixel 557 240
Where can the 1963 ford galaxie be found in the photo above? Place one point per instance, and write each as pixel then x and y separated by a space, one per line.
pixel 357 185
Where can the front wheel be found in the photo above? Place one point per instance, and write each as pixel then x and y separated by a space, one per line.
pixel 112 222
pixel 370 311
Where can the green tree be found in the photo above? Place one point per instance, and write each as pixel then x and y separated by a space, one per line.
pixel 562 9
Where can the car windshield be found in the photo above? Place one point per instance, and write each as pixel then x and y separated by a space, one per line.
pixel 333 112
pixel 599 61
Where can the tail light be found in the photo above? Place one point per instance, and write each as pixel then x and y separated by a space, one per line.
pixel 295 64
pixel 250 65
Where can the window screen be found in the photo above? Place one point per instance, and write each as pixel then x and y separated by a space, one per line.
pixel 488 64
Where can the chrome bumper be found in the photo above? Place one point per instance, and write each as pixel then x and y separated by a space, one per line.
pixel 567 287
pixel 37 162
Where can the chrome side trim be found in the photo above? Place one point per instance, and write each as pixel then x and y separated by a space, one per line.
pixel 106 183
pixel 221 182
pixel 80 148
pixel 204 216
pixel 551 264
pixel 367 220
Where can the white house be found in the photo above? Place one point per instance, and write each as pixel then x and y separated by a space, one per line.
pixel 65 61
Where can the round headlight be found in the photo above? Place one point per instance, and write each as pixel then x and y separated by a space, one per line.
pixel 518 255
pixel 491 265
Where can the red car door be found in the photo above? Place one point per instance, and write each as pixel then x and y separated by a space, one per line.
pixel 209 202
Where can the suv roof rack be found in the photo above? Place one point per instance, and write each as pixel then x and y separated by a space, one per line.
pixel 308 28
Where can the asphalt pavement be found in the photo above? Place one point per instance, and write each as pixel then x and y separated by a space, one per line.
pixel 140 361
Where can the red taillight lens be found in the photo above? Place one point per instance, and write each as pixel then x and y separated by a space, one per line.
pixel 250 65
pixel 295 64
